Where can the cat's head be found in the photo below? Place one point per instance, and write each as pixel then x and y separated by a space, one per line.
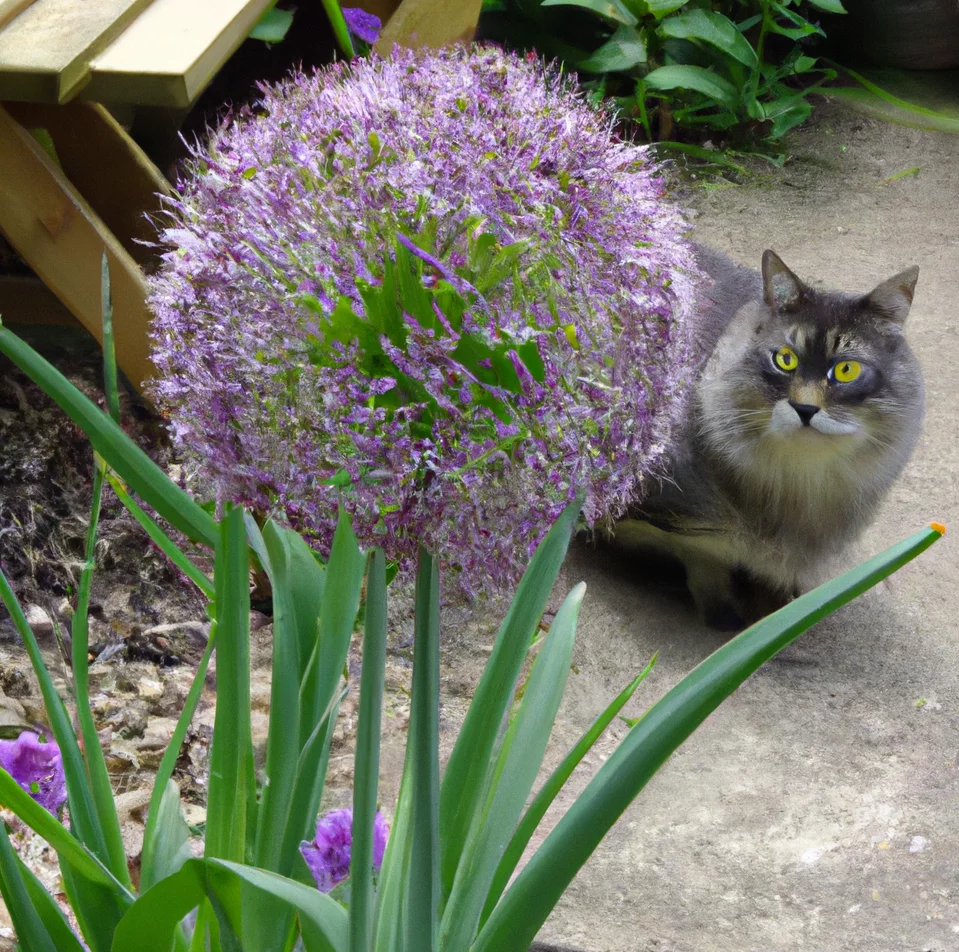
pixel 810 374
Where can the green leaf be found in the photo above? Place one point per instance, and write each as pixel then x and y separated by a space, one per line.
pixel 789 118
pixel 51 915
pixel 82 810
pixel 151 922
pixel 530 899
pixel 512 778
pixel 32 935
pixel 159 538
pixel 625 49
pixel 123 456
pixel 44 823
pixel 662 8
pixel 830 6
pixel 167 847
pixel 231 751
pixel 466 770
pixel 696 78
pixel 712 28
pixel 367 758
pixel 168 765
pixel 109 354
pixel 273 26
pixel 614 10
pixel 420 915
pixel 557 779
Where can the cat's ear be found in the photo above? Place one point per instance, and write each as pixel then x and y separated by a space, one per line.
pixel 782 290
pixel 893 298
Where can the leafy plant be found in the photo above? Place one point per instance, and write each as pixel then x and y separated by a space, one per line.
pixel 455 840
pixel 728 65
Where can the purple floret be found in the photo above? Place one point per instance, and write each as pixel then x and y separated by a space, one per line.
pixel 285 211
pixel 363 25
pixel 37 767
pixel 328 855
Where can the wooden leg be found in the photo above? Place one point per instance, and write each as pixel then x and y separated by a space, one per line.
pixel 56 231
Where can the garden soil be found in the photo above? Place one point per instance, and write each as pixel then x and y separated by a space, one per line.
pixel 816 810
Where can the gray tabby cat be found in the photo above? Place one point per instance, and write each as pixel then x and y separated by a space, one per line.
pixel 806 406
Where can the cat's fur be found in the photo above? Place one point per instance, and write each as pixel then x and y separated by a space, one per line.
pixel 757 501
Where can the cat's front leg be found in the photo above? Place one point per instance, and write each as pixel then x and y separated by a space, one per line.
pixel 709 576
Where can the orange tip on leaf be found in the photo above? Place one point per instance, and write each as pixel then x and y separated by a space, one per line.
pixel 939 527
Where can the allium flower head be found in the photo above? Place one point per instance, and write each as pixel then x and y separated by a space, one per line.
pixel 328 855
pixel 37 767
pixel 435 288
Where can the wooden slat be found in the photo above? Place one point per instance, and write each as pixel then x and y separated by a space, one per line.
pixel 171 51
pixel 60 236
pixel 45 51
pixel 105 166
pixel 11 8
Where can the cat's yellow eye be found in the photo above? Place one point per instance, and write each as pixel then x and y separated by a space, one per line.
pixel 786 359
pixel 846 371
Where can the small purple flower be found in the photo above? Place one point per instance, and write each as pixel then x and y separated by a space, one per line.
pixel 328 855
pixel 37 767
pixel 363 25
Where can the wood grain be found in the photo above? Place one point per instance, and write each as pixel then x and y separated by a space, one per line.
pixel 171 51
pixel 45 51
pixel 61 237
pixel 11 8
pixel 106 167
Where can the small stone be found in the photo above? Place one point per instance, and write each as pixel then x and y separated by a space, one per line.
pixel 198 631
pixel 40 621
pixel 842 231
pixel 258 620
pixel 917 844
pixel 148 688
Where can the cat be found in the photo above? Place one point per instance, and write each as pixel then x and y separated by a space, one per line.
pixel 806 405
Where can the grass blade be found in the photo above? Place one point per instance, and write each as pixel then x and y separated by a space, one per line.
pixel 543 800
pixel 420 915
pixel 367 759
pixel 51 915
pixel 512 779
pixel 99 778
pixel 231 754
pixel 161 540
pixel 109 352
pixel 170 756
pixel 469 760
pixel 122 455
pixel 527 903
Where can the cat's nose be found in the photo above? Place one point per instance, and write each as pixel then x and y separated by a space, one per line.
pixel 805 411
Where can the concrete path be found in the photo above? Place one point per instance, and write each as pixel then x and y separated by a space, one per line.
pixel 818 808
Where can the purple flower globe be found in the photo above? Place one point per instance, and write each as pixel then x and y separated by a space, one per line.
pixel 328 855
pixel 38 767
pixel 544 353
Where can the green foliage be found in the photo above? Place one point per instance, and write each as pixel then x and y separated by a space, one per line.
pixel 454 845
pixel 731 65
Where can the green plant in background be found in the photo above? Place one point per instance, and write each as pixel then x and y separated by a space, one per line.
pixel 692 64
pixel 456 840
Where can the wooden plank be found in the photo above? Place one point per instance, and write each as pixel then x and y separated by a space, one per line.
pixel 171 51
pixel 45 51
pixel 11 8
pixel 60 236
pixel 430 23
pixel 105 166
